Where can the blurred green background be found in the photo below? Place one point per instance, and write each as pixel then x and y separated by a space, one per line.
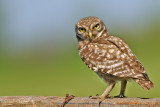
pixel 38 47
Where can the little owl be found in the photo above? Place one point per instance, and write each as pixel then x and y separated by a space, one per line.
pixel 108 56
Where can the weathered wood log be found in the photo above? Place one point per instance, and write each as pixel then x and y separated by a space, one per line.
pixel 52 101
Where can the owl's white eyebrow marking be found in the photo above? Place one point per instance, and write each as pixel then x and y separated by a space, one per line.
pixel 100 33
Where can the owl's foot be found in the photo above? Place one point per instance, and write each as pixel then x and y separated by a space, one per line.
pixel 100 97
pixel 120 96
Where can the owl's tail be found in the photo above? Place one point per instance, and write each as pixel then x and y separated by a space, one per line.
pixel 146 84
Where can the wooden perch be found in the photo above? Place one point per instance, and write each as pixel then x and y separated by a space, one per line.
pixel 51 101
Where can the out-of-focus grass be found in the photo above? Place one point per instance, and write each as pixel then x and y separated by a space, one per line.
pixel 58 74
pixel 44 73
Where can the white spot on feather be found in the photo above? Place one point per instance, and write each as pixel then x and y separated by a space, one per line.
pixel 118 52
pixel 117 73
pixel 115 39
pixel 122 48
pixel 121 75
pixel 114 65
pixel 101 66
pixel 123 56
pixel 95 51
pixel 120 43
pixel 95 69
pixel 82 49
pixel 132 70
pixel 108 55
pixel 112 61
pixel 124 71
pixel 138 75
pixel 109 71
pixel 92 62
pixel 111 50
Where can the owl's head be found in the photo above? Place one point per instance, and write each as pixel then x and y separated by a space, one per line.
pixel 89 28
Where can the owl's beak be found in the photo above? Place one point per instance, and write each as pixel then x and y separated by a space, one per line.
pixel 90 34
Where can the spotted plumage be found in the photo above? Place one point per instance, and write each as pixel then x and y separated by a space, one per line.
pixel 109 56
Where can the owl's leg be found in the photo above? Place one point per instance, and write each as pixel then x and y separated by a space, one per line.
pixel 123 87
pixel 106 92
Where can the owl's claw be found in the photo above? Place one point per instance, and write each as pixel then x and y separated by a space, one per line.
pixel 93 97
pixel 100 97
pixel 120 96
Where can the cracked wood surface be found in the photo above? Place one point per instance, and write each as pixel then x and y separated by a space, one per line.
pixel 53 101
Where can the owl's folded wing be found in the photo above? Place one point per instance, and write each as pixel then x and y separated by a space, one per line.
pixel 135 68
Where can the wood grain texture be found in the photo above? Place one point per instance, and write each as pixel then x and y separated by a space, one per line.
pixel 53 101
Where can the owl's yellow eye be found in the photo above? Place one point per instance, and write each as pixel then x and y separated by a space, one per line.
pixel 82 29
pixel 96 26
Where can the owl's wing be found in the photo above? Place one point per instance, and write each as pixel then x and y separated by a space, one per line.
pixel 133 66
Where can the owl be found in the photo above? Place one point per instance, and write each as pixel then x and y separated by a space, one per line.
pixel 109 57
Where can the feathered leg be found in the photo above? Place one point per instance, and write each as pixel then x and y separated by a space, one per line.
pixel 106 92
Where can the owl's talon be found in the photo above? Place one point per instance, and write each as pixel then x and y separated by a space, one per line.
pixel 90 96
pixel 100 97
pixel 95 97
pixel 109 96
pixel 120 96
